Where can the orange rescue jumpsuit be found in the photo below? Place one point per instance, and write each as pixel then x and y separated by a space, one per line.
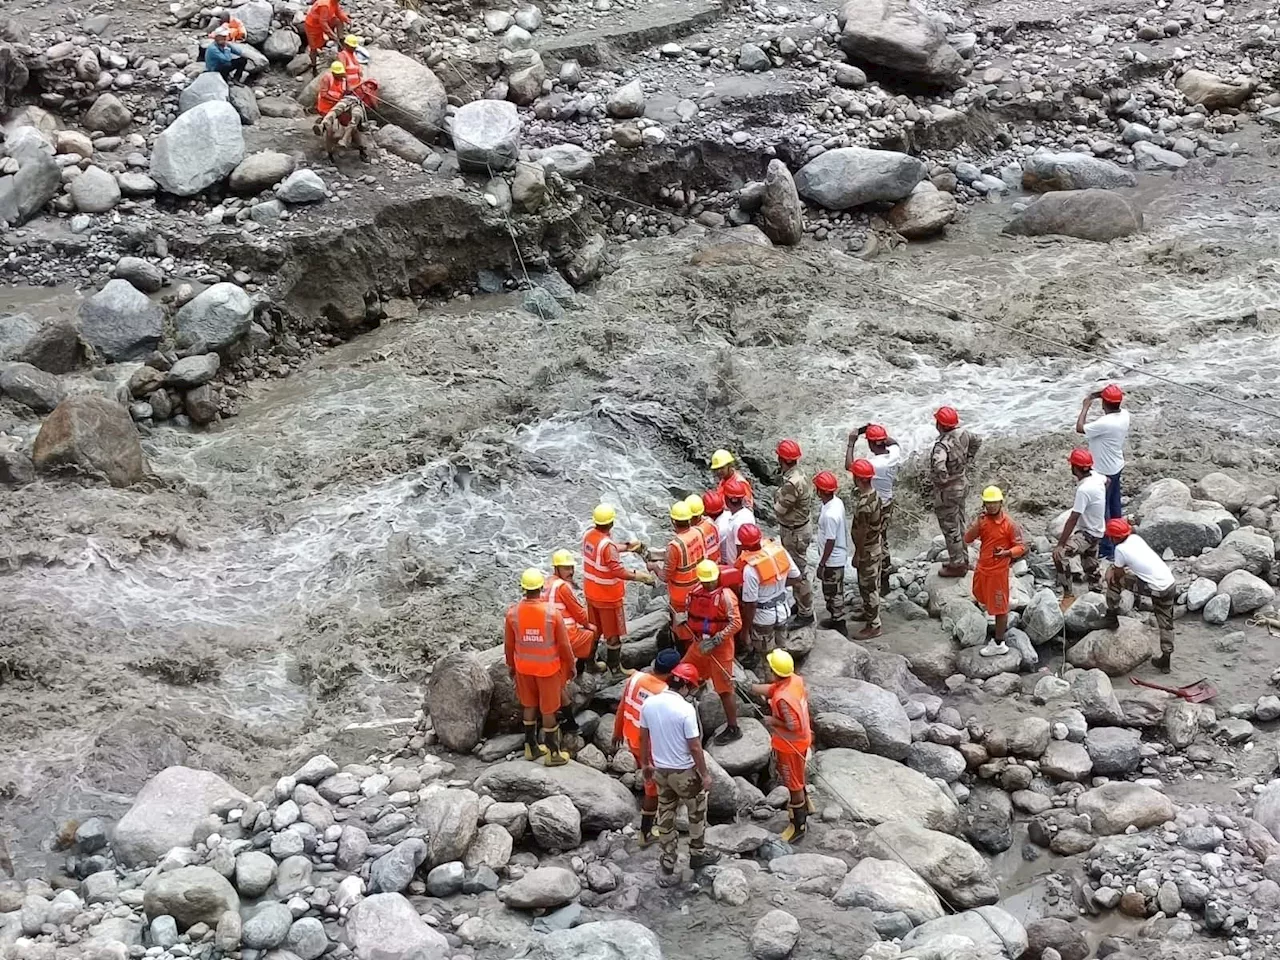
pixel 991 576
pixel 582 636
pixel 323 19
pixel 639 687
pixel 536 646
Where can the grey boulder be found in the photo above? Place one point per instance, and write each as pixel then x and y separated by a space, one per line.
pixel 989 928
pixel 879 711
pixel 781 215
pixel 1044 171
pixel 457 700
pixel 603 940
pixel 949 865
pixel 852 176
pixel 94 191
pixel 386 927
pixel 924 213
pixel 198 149
pixel 602 802
pixel 93 435
pixel 167 809
pixel 1246 591
pixel 1097 215
pixel 120 322
pixel 1115 651
pixel 542 888
pixel 31 386
pixel 408 91
pixel 898 37
pixel 260 170
pixel 190 895
pixel 207 87
pixel 1114 807
pixel 486 134
pixel 215 318
pixel 887 886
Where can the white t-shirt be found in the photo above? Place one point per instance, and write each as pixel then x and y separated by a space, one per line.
pixel 1106 437
pixel 772 602
pixel 1144 563
pixel 1091 504
pixel 887 465
pixel 729 534
pixel 672 722
pixel 832 526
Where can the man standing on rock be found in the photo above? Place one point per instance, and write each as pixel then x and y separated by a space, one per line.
pixel 671 745
pixel 833 550
pixel 886 457
pixel 559 592
pixel 766 570
pixel 1084 528
pixel 725 468
pixel 1140 569
pixel 793 506
pixel 678 569
pixel 715 617
pixel 740 515
pixel 1001 544
pixel 640 686
pixel 949 462
pixel 706 525
pixel 790 734
pixel 1106 437
pixel 868 546
pixel 604 583
pixel 540 661
pixel 323 20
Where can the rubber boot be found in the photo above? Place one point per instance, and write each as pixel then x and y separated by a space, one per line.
pixel 568 722
pixel 647 836
pixel 532 748
pixel 799 824
pixel 952 570
pixel 556 757
pixel 1161 662
pixel 800 621
pixel 728 735
pixel 613 661
pixel 1111 622
pixel 703 858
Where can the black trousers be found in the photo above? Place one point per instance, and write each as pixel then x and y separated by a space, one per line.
pixel 235 69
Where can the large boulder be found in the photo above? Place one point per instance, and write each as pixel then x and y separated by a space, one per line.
pixel 256 15
pixel 1210 90
pixel 31 386
pixel 1092 692
pixel 198 149
pixel 386 927
pixel 1118 651
pixel 457 700
pixel 993 930
pixel 190 895
pixel 887 886
pixel 1114 807
pixel 214 319
pixel 926 212
pixel 94 191
pixel 450 818
pixel 408 92
pixel 781 215
pixel 24 194
pixel 1186 532
pixel 884 790
pixel 1246 591
pixel 260 170
pixel 1044 171
pixel 1223 489
pixel 120 322
pixel 748 755
pixel 207 87
pixel 486 134
pixel 602 940
pixel 50 343
pixel 1113 751
pixel 1266 809
pixel 167 811
pixel 853 176
pixel 1098 215
pixel 603 802
pixel 949 865
pixel 879 711
pixel 899 37
pixel 93 435
pixel 1239 550
pixel 1043 620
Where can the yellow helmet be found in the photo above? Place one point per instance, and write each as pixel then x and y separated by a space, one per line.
pixel 532 579
pixel 780 663
pixel 337 68
pixel 993 495
pixel 707 571
pixel 603 514
pixel 696 507
pixel 353 41
pixel 721 458
pixel 680 512
pixel 562 558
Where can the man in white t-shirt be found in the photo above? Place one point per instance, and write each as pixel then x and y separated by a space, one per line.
pixel 833 550
pixel 767 569
pixel 1139 568
pixel 1084 528
pixel 1106 437
pixel 671 754
pixel 740 514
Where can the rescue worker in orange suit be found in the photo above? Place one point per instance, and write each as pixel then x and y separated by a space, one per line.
pixel 540 662
pixel 321 25
pixel 706 524
pixel 559 591
pixel 1001 546
pixel 347 57
pixel 333 88
pixel 767 569
pixel 714 619
pixel 640 686
pixel 685 550
pixel 790 734
pixel 725 468
pixel 604 583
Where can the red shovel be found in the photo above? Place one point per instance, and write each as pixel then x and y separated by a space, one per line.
pixel 1197 692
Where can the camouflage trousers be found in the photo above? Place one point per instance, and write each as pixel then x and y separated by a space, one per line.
pixel 832 579
pixel 887 512
pixel 870 565
pixel 1162 602
pixel 674 788
pixel 796 540
pixel 948 504
pixel 1081 545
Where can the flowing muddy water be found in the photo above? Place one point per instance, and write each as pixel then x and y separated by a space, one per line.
pixel 298 567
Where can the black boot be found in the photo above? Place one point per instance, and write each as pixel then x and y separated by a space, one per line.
pixel 555 757
pixel 647 835
pixel 568 722
pixel 613 660
pixel 532 749
pixel 1161 662
pixel 702 858
pixel 799 824
pixel 728 735
pixel 801 620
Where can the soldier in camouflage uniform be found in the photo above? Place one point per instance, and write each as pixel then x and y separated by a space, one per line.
pixel 949 462
pixel 868 546
pixel 793 506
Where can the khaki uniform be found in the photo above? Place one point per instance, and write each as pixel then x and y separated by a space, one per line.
pixel 1081 545
pixel 867 542
pixel 676 787
pixel 1162 603
pixel 793 506
pixel 948 463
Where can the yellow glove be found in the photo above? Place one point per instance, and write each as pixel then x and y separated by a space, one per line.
pixel 647 578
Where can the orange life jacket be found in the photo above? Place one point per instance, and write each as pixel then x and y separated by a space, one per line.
pixel 770 563
pixel 355 69
pixel 600 558
pixel 639 688
pixel 536 654
pixel 790 691
pixel 710 537
pixel 332 89
pixel 681 578
pixel 707 613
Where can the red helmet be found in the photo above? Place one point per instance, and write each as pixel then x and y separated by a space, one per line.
pixel 688 673
pixel 749 536
pixel 1112 394
pixel 734 489
pixel 1080 457
pixel 788 450
pixel 826 481
pixel 712 502
pixel 1118 528
pixel 947 417
pixel 862 469
pixel 876 433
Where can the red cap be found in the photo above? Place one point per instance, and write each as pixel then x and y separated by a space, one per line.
pixel 826 481
pixel 862 469
pixel 788 450
pixel 1080 457
pixel 947 417
pixel 876 433
pixel 1112 394
pixel 712 502
pixel 734 489
pixel 749 536
pixel 1118 528
pixel 688 673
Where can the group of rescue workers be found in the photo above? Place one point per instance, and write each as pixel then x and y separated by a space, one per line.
pixel 345 95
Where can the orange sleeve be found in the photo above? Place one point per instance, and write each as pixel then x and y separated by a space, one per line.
pixel 617 717
pixel 339 13
pixel 1017 549
pixel 562 645
pixel 577 611
pixel 611 560
pixel 750 500
pixel 973 533
pixel 672 561
pixel 732 611
pixel 509 642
